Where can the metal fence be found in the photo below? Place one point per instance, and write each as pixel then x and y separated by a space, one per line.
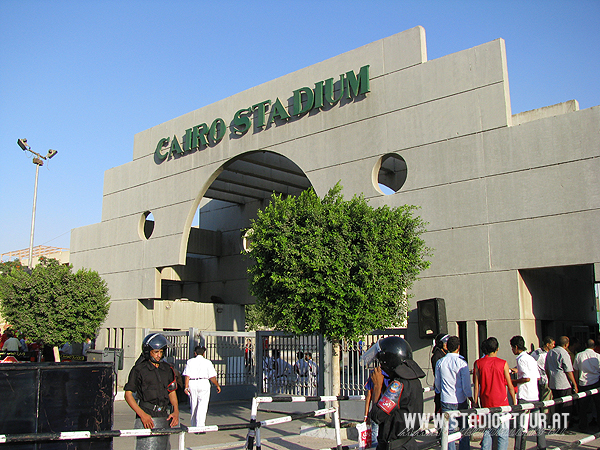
pixel 289 364
pixel 275 362
pixel 354 376
pixel 232 354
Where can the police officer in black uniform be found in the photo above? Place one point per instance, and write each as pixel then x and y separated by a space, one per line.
pixel 404 393
pixel 154 383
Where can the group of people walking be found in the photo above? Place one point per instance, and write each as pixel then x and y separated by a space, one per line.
pixel 281 377
pixel 548 372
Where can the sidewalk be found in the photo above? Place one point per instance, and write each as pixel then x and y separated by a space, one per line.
pixel 295 435
pixel 282 436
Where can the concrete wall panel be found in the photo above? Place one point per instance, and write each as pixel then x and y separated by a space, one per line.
pixel 545 191
pixel 559 240
pixel 448 206
pixel 458 251
pixel 446 118
pixel 543 142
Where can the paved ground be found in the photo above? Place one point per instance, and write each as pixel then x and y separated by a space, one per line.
pixel 295 435
pixel 281 436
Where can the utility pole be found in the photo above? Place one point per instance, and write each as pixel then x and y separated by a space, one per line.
pixel 38 160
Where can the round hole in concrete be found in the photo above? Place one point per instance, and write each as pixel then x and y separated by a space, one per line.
pixel 392 173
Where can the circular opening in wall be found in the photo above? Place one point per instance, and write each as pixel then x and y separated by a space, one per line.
pixel 146 225
pixel 392 173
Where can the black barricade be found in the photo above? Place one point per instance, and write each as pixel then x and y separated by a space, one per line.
pixel 56 397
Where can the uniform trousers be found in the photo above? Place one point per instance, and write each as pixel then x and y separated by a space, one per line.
pixel 199 397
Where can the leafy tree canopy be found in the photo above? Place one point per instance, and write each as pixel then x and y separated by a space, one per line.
pixel 53 304
pixel 331 266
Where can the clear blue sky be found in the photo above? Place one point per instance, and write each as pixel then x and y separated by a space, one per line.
pixel 83 77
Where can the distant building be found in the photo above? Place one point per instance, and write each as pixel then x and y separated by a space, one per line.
pixel 61 254
pixel 511 200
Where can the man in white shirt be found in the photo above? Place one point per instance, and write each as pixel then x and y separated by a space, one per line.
pixel 12 344
pixel 313 374
pixel 199 372
pixel 301 370
pixel 527 381
pixel 453 383
pixel 540 356
pixel 587 373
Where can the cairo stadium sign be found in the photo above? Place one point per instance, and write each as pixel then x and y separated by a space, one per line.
pixel 265 113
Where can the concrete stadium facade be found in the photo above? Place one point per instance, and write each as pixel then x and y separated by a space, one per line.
pixel 512 202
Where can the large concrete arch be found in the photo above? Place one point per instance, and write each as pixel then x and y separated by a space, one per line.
pixel 241 185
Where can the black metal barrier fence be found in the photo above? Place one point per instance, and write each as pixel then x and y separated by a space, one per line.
pixel 39 398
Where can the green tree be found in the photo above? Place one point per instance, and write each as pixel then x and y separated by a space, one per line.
pixel 336 267
pixel 52 304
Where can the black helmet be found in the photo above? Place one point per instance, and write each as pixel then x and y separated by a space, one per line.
pixel 441 339
pixel 393 351
pixel 395 356
pixel 154 341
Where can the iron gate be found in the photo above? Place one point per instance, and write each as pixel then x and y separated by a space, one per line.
pixel 289 364
pixel 275 362
pixel 354 376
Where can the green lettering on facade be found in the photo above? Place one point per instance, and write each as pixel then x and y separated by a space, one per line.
pixel 278 112
pixel 358 85
pixel 199 133
pixel 318 95
pixel 241 121
pixel 260 113
pixel 330 90
pixel 217 130
pixel 175 147
pixel 158 154
pixel 299 106
pixel 187 140
pixel 304 100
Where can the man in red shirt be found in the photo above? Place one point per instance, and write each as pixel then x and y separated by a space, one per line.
pixel 491 378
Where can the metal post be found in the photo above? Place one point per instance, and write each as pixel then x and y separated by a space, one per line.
pixel 30 262
pixel 182 439
pixel 445 428
pixel 258 443
pixel 191 342
pixel 252 430
pixel 338 436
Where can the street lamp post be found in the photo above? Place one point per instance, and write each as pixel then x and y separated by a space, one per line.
pixel 38 160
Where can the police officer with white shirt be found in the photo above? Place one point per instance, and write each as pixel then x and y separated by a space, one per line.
pixel 198 374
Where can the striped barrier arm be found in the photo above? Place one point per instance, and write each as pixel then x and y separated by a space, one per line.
pixel 528 406
pixel 300 399
pixel 581 441
pixel 263 423
pixel 75 435
pixel 254 426
pixel 446 438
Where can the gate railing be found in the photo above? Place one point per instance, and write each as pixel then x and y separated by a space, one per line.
pixel 354 376
pixel 270 359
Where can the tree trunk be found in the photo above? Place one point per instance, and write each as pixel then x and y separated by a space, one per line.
pixel 56 354
pixel 335 368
